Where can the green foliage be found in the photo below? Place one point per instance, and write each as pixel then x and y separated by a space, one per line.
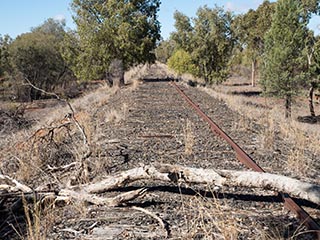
pixel 283 59
pixel 165 50
pixel 249 29
pixel 212 43
pixel 5 42
pixel 52 27
pixel 36 56
pixel 208 41
pixel 184 32
pixel 312 51
pixel 83 60
pixel 181 62
pixel 112 29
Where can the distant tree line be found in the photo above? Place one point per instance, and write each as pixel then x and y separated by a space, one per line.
pixel 111 36
pixel 273 40
pixel 36 57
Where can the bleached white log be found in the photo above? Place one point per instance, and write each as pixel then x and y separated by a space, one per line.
pixel 67 195
pixel 176 173
pixel 11 185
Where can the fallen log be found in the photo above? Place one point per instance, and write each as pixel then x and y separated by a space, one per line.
pixel 178 174
pixel 66 195
pixel 230 178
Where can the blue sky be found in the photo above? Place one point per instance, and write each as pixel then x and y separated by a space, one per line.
pixel 18 16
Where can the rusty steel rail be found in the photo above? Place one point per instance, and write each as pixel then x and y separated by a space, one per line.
pixel 244 158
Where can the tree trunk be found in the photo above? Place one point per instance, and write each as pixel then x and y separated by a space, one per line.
pixel 121 79
pixel 253 72
pixel 288 106
pixel 116 71
pixel 311 106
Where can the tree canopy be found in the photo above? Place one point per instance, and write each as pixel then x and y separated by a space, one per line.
pixel 249 30
pixel 36 56
pixel 184 31
pixel 113 29
pixel 283 59
pixel 165 50
pixel 212 44
pixel 207 38
pixel 5 42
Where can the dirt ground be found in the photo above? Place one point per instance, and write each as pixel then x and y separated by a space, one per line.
pixel 149 123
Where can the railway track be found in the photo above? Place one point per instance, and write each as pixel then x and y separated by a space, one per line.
pixel 244 158
pixel 166 122
pixel 155 129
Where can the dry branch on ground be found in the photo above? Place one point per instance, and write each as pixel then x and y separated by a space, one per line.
pixel 175 173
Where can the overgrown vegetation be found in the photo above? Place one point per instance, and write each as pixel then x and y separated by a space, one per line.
pixel 109 31
pixel 203 44
pixel 273 40
pixel 181 62
pixel 111 37
pixel 249 30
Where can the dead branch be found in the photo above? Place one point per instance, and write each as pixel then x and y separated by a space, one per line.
pixel 72 115
pixel 161 222
pixel 175 173
pixel 47 132
pixel 83 169
pixel 66 195
pixel 10 185
pixel 63 168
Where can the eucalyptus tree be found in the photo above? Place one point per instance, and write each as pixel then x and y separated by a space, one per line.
pixel 36 56
pixel 212 43
pixel 312 52
pixel 249 30
pixel 284 62
pixel 5 42
pixel 124 31
pixel 184 32
pixel 207 38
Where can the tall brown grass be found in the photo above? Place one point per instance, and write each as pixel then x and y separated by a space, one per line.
pixel 302 137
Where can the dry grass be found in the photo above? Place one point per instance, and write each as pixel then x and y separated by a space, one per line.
pixel 135 73
pixel 302 137
pixel 94 99
pixel 117 116
pixel 243 124
pixel 297 162
pixel 268 133
pixel 39 218
pixel 33 220
pixel 210 219
pixel 188 138
pixel 26 155
pixel 135 84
